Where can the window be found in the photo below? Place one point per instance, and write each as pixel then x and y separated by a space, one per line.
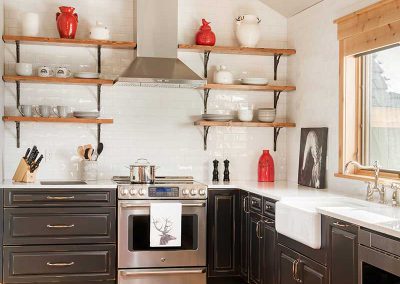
pixel 369 89
pixel 380 108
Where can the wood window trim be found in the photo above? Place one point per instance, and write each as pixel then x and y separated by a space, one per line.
pixel 372 28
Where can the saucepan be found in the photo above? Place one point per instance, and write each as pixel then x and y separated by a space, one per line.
pixel 142 172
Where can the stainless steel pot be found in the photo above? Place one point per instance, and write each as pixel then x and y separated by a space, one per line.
pixel 142 172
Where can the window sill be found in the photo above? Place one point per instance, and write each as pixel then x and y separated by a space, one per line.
pixel 366 178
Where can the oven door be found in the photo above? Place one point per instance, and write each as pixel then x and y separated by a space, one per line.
pixel 377 268
pixel 134 249
pixel 165 276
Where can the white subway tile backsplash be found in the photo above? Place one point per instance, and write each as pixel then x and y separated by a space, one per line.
pixel 155 123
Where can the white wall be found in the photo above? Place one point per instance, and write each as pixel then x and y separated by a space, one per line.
pixel 1 88
pixel 151 123
pixel 315 72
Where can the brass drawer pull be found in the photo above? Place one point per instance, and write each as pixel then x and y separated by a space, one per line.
pixel 268 207
pixel 60 264
pixel 269 222
pixel 60 197
pixel 60 226
pixel 341 225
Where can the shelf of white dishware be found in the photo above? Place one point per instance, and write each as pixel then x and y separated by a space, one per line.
pixel 55 80
pixel 264 88
pixel 234 123
pixel 237 50
pixel 69 42
pixel 58 120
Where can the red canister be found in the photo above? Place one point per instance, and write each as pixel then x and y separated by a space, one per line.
pixel 205 35
pixel 67 22
pixel 266 168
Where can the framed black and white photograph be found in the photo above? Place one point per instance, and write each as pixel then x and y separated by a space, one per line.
pixel 312 161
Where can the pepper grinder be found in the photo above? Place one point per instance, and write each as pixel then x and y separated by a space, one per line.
pixel 215 171
pixel 226 171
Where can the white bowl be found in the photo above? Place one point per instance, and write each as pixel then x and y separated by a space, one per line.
pixel 255 81
pixel 245 115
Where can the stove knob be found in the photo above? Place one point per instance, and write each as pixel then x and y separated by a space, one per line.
pixel 185 191
pixel 202 192
pixel 141 191
pixel 193 192
pixel 124 192
pixel 132 191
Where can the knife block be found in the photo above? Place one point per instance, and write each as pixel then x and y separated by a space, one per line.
pixel 23 173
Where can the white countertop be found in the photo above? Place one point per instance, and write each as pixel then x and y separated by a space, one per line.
pixel 90 184
pixel 371 215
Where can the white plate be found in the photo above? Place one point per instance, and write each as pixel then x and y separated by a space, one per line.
pixel 87 75
pixel 86 114
pixel 255 81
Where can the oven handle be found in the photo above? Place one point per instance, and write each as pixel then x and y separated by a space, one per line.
pixel 129 205
pixel 162 272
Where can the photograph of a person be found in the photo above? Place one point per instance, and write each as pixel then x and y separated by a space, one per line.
pixel 312 161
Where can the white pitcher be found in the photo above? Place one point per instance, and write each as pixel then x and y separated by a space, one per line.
pixel 248 30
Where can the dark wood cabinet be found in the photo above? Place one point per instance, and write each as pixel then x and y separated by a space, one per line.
pixel 223 233
pixel 255 249
pixel 244 235
pixel 296 268
pixel 268 252
pixel 342 251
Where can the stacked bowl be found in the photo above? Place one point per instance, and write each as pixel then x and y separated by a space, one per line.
pixel 267 114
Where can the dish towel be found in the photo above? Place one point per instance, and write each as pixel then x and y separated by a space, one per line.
pixel 165 224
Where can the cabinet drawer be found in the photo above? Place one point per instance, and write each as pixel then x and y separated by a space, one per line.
pixel 59 263
pixel 59 197
pixel 256 204
pixel 59 226
pixel 269 207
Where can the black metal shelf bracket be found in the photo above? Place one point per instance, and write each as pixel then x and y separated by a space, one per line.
pixel 277 94
pixel 18 51
pixel 205 136
pixel 98 134
pixel 277 58
pixel 99 97
pixel 18 83
pixel 99 59
pixel 206 59
pixel 277 130
pixel 18 129
pixel 205 99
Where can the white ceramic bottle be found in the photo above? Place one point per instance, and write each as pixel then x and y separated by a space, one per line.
pixel 248 30
pixel 30 24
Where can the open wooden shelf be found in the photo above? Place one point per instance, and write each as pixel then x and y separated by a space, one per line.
pixel 249 87
pixel 237 50
pixel 70 42
pixel 245 124
pixel 58 120
pixel 55 80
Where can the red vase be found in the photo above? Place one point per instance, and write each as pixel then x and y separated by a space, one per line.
pixel 266 168
pixel 67 22
pixel 205 35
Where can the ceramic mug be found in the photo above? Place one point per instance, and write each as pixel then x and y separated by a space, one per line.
pixel 45 71
pixel 43 110
pixel 25 110
pixel 23 69
pixel 63 72
pixel 61 111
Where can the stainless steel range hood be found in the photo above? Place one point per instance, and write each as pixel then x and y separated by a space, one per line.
pixel 157 63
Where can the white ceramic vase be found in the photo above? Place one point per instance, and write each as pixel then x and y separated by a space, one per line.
pixel 30 24
pixel 248 30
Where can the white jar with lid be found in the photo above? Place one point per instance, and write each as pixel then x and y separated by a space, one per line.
pixel 223 76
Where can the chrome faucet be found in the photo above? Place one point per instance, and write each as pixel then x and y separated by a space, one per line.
pixel 372 187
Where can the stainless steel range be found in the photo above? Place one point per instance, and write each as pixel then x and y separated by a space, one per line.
pixel 137 260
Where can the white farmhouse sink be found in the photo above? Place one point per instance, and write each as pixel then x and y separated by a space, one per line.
pixel 298 219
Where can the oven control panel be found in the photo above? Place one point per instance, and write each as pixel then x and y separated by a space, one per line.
pixel 170 191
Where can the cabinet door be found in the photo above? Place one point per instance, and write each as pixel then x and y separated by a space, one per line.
pixel 286 259
pixel 343 246
pixel 269 248
pixel 223 232
pixel 255 248
pixel 310 272
pixel 244 235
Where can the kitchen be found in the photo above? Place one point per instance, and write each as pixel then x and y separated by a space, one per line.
pixel 165 126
